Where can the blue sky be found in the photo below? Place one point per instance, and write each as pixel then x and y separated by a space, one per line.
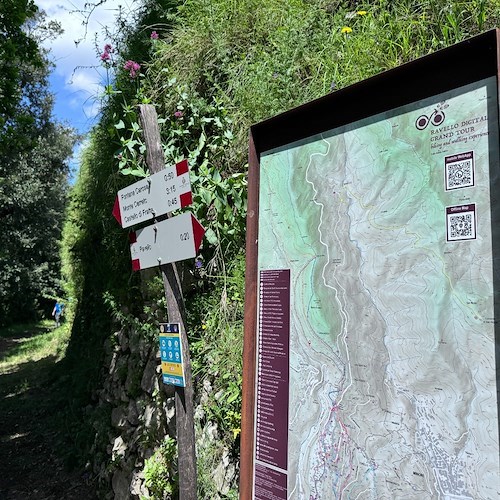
pixel 77 80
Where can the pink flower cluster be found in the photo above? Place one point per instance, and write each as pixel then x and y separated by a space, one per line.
pixel 106 55
pixel 132 67
pixel 154 35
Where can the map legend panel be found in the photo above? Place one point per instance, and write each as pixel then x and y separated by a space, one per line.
pixel 273 371
pixel 269 484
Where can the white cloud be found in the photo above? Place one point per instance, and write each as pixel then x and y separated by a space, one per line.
pixel 75 53
pixel 75 159
pixel 88 80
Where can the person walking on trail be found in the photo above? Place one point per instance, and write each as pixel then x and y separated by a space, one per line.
pixel 57 312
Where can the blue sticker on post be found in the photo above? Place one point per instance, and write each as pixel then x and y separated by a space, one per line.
pixel 171 354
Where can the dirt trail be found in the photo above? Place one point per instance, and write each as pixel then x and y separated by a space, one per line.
pixel 30 440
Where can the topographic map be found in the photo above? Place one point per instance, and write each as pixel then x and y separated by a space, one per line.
pixel 385 228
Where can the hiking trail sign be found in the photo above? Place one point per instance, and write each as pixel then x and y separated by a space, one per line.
pixel 184 406
pixel 172 240
pixel 158 194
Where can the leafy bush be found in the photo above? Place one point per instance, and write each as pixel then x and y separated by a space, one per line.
pixel 159 471
pixel 216 322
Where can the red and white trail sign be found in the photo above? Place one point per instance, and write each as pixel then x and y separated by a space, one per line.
pixel 174 239
pixel 158 194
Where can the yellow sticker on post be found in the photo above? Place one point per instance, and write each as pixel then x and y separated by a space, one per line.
pixel 171 354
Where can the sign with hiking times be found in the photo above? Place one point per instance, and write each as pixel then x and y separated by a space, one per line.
pixel 171 354
pixel 153 196
pixel 374 262
pixel 172 240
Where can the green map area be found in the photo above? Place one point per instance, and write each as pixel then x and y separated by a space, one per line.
pixel 385 225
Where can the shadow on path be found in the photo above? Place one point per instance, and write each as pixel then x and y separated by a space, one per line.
pixel 32 433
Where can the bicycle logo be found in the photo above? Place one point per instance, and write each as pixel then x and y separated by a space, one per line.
pixel 436 118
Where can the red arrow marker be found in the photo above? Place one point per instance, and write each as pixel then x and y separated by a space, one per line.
pixel 116 211
pixel 198 233
pixel 182 167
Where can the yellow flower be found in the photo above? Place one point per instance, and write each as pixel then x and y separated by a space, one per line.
pixel 203 327
pixel 346 29
pixel 361 13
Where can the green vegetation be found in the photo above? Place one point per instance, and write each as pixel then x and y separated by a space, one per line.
pixel 33 168
pixel 159 471
pixel 33 423
pixel 33 348
pixel 16 47
pixel 217 67
pixel 31 343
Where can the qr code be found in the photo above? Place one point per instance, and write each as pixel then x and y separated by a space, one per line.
pixel 460 173
pixel 461 226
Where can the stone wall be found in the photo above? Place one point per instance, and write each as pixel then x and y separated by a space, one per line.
pixel 135 411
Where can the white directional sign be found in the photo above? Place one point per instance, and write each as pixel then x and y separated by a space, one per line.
pixel 153 196
pixel 171 240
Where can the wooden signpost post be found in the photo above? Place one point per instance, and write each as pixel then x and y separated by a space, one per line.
pixel 176 314
pixel 154 198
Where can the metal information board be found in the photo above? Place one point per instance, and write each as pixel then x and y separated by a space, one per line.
pixel 171 354
pixel 372 296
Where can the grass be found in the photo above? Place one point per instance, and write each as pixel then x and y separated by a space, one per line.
pixel 263 58
pixel 21 344
pixel 29 355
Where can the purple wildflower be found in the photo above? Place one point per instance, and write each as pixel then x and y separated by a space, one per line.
pixel 154 35
pixel 178 114
pixel 132 67
pixel 105 56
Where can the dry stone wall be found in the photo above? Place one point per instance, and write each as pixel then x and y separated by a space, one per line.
pixel 136 412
